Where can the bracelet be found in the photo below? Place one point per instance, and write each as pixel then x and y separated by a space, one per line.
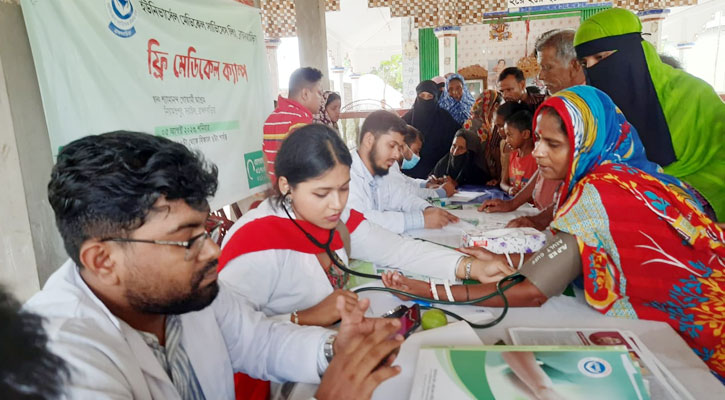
pixel 468 269
pixel 467 296
pixel 447 286
pixel 508 259
pixel 296 317
pixel 511 263
pixel 329 347
pixel 433 290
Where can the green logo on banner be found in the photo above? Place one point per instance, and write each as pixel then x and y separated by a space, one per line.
pixel 256 174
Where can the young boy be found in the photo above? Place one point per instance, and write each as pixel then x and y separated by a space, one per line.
pixel 496 146
pixel 522 164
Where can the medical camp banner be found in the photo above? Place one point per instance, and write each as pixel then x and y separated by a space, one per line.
pixel 193 71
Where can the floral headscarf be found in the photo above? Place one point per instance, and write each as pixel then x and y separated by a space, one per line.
pixel 483 113
pixel 459 110
pixel 599 134
pixel 322 117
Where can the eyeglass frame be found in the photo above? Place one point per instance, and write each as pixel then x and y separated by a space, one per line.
pixel 188 244
pixel 407 146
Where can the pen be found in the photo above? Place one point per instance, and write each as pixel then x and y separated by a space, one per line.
pixel 423 303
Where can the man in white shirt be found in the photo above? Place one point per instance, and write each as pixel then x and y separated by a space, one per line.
pixel 384 201
pixel 137 311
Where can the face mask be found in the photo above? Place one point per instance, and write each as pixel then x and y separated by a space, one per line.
pixel 409 164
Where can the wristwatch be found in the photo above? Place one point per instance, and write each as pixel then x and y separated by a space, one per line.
pixel 328 348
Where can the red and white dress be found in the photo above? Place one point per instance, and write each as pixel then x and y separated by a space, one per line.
pixel 267 259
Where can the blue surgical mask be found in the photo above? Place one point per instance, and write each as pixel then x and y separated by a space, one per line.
pixel 409 164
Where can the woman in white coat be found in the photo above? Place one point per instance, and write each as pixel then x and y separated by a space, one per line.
pixel 275 255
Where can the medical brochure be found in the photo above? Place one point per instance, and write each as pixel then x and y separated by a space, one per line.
pixel 659 381
pixel 527 372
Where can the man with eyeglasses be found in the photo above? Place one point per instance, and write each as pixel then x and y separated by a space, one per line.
pixel 137 311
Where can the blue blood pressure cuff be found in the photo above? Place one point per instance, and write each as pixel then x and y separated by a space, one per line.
pixel 556 265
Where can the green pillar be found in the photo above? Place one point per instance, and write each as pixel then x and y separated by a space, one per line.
pixel 428 53
pixel 591 11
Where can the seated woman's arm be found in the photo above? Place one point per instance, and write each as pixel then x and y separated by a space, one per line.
pixel 254 276
pixel 547 272
pixel 269 286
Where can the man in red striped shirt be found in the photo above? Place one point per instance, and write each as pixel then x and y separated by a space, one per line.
pixel 305 96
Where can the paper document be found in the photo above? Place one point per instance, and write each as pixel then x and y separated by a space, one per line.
pixel 465 197
pixel 399 387
pixel 660 383
pixel 526 372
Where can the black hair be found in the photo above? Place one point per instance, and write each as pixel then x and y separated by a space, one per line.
pixel 105 185
pixel 521 120
pixel 380 122
pixel 533 90
pixel 302 78
pixel 309 152
pixel 28 370
pixel 517 73
pixel 510 107
pixel 332 97
pixel 412 134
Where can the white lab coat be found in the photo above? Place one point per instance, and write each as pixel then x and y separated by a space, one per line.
pixel 278 282
pixel 110 360
pixel 414 186
pixel 388 203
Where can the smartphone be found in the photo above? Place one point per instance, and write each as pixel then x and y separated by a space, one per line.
pixel 409 318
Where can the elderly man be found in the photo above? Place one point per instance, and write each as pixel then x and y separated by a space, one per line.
pixel 560 68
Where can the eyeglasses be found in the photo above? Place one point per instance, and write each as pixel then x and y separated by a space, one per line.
pixel 193 246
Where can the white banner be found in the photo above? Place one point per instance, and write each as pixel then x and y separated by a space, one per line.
pixel 194 71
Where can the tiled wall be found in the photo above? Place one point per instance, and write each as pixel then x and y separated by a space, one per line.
pixel 475 45
pixel 411 65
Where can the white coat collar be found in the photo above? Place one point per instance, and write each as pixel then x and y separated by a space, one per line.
pixel 142 352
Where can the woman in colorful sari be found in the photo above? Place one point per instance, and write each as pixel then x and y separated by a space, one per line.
pixel 456 99
pixel 680 118
pixel 636 236
pixel 482 123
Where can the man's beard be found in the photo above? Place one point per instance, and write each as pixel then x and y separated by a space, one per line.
pixel 372 157
pixel 196 299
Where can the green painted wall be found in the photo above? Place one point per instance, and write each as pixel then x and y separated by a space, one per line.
pixel 589 12
pixel 428 53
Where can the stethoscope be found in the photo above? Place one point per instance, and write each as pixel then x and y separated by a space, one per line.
pixel 501 286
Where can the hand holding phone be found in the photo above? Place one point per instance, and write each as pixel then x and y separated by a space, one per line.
pixel 409 318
